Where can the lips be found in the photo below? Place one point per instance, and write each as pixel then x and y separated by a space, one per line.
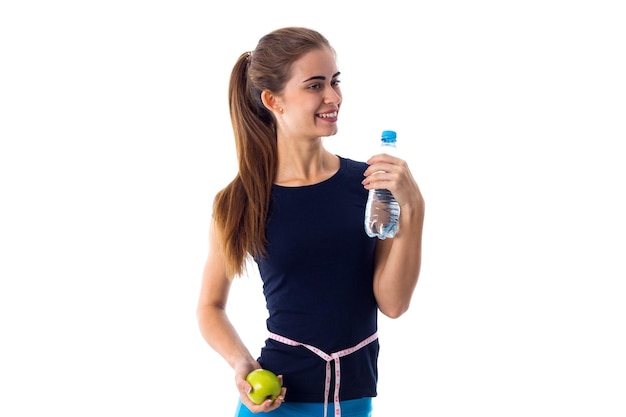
pixel 328 115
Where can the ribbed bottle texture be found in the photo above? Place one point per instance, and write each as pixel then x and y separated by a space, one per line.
pixel 382 211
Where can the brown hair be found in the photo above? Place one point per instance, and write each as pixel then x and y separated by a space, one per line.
pixel 240 210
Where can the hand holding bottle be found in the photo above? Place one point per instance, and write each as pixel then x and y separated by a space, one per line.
pixel 382 210
pixel 392 173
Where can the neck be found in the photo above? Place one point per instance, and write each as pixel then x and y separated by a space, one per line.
pixel 304 163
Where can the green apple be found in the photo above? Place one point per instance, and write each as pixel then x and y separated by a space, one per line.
pixel 265 385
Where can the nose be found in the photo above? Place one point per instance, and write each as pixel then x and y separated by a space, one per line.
pixel 332 96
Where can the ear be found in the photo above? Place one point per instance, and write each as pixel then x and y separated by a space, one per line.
pixel 271 102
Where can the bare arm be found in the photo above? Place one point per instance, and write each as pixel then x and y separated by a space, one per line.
pixel 217 329
pixel 397 260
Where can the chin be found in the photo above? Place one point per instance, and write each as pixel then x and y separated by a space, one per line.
pixel 331 132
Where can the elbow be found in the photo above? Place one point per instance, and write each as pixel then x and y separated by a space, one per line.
pixel 200 317
pixel 393 305
pixel 203 313
pixel 395 311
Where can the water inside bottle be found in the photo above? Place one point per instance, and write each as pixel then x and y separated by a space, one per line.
pixel 384 212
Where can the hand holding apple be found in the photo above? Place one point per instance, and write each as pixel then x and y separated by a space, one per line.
pixel 265 385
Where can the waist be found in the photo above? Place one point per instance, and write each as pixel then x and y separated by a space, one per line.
pixel 361 407
pixel 329 357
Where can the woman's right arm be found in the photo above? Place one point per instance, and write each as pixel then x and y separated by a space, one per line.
pixel 217 329
pixel 215 326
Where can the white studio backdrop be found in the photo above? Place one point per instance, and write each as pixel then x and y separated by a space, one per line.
pixel 115 135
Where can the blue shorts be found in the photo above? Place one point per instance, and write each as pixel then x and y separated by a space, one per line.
pixel 350 408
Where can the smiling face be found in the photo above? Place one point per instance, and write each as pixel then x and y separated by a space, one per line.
pixel 311 98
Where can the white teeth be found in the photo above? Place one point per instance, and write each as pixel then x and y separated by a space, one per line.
pixel 328 115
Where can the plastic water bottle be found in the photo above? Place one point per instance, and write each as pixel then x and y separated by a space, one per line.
pixel 382 210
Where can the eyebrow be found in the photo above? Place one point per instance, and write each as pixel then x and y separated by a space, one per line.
pixel 321 77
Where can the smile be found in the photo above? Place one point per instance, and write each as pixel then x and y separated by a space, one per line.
pixel 332 115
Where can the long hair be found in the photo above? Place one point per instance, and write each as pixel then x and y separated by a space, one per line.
pixel 240 210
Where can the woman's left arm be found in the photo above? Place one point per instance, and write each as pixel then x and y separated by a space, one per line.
pixel 398 259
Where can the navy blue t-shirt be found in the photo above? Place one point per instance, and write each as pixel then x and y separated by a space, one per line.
pixel 317 280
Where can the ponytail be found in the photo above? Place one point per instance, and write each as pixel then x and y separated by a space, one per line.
pixel 240 210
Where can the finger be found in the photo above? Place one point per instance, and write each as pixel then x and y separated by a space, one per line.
pixel 381 180
pixel 382 157
pixel 269 405
pixel 265 406
pixel 277 402
pixel 243 386
pixel 379 167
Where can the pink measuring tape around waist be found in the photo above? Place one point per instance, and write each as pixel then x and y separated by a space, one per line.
pixel 328 357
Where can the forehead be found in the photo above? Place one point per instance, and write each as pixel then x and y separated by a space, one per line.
pixel 320 62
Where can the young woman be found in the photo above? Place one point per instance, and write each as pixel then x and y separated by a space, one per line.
pixel 298 210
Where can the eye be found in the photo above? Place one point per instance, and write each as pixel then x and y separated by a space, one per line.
pixel 315 86
pixel 335 83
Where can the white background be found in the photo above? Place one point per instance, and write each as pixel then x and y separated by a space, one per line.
pixel 115 135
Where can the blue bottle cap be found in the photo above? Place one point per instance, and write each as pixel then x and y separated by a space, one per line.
pixel 388 136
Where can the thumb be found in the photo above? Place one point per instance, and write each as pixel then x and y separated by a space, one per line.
pixel 243 385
